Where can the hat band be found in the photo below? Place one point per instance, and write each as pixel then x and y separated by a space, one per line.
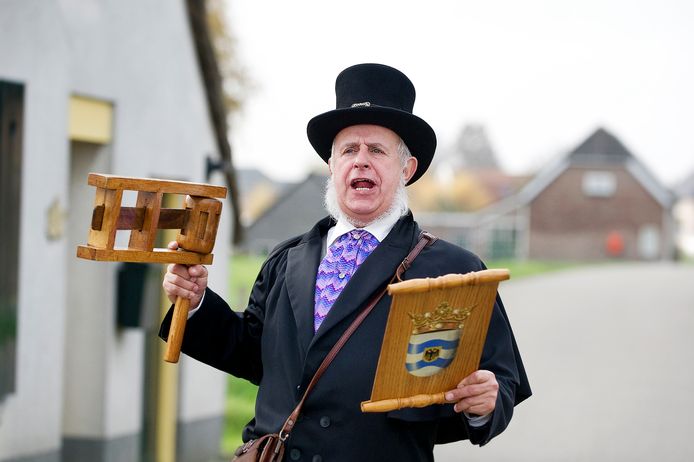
pixel 364 104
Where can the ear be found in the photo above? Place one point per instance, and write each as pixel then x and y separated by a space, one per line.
pixel 330 165
pixel 410 168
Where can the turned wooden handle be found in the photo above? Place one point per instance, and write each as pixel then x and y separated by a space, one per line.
pixel 178 327
pixel 449 281
pixel 387 405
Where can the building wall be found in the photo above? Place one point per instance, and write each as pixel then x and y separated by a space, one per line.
pixel 500 238
pixel 79 376
pixel 30 422
pixel 300 207
pixel 565 223
pixel 684 215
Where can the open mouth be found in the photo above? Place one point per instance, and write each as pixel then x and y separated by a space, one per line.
pixel 362 184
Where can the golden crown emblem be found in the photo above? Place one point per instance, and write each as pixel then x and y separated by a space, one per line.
pixel 444 317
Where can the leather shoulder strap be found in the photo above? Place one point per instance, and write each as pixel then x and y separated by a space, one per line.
pixel 425 239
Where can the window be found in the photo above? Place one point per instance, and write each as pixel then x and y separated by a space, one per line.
pixel 599 184
pixel 11 110
pixel 502 244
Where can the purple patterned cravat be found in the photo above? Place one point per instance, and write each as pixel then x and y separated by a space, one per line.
pixel 339 264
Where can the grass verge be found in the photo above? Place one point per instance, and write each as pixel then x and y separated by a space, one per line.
pixel 239 409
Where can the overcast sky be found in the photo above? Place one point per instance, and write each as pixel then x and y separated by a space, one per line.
pixel 539 75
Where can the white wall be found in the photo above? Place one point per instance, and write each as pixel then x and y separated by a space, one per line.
pixel 33 51
pixel 137 54
pixel 684 216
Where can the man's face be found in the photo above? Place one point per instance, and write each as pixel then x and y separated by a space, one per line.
pixel 366 171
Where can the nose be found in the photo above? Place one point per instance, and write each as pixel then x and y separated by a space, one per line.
pixel 362 159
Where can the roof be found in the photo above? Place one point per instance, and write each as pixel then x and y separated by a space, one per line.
pixel 686 187
pixel 299 207
pixel 601 146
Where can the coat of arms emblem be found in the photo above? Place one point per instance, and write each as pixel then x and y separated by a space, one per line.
pixel 434 340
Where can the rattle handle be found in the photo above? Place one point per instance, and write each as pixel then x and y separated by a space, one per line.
pixel 178 326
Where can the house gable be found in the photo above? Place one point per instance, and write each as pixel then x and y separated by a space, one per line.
pixel 296 211
pixel 600 150
pixel 602 193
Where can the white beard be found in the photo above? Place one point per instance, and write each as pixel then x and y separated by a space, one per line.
pixel 399 204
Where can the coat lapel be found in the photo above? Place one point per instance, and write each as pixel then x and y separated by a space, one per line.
pixel 372 275
pixel 302 266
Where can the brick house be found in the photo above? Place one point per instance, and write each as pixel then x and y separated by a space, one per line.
pixel 597 202
pixel 600 201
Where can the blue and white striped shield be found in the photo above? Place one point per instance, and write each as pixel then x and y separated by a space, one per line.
pixel 431 352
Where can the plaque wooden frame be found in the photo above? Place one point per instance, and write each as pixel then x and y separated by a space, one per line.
pixel 413 372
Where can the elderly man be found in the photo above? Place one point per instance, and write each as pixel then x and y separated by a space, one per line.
pixel 311 287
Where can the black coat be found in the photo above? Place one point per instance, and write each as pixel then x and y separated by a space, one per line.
pixel 272 344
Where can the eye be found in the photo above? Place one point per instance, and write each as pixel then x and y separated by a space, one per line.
pixel 350 149
pixel 376 150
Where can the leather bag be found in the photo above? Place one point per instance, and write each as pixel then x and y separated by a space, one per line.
pixel 267 448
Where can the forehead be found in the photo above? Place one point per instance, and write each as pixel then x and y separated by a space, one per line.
pixel 368 134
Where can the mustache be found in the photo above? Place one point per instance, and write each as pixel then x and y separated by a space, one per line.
pixel 400 203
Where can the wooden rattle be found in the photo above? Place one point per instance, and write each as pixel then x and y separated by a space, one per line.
pixel 197 220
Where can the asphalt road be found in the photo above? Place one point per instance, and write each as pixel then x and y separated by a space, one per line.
pixel 609 351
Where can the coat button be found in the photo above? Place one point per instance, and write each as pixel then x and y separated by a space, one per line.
pixel 295 454
pixel 317 458
pixel 324 421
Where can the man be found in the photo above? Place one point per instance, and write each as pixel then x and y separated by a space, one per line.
pixel 301 302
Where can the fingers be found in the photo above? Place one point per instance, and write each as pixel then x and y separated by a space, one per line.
pixel 187 282
pixel 479 376
pixel 475 394
pixel 480 405
pixel 173 245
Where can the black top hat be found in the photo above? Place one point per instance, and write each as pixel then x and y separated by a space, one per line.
pixel 379 95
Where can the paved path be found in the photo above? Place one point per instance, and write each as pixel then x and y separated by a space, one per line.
pixel 610 355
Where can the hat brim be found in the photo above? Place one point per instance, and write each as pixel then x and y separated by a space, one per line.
pixel 415 132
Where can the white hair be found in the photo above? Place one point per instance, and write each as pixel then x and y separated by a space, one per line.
pixel 400 200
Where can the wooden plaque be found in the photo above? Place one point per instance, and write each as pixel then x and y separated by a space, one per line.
pixel 434 338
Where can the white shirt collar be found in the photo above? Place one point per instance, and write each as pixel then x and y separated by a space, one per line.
pixel 379 228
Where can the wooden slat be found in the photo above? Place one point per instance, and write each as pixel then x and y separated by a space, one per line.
pixel 133 218
pixel 142 256
pixel 155 185
pixel 105 236
pixel 142 238
pixel 97 217
pixel 173 219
